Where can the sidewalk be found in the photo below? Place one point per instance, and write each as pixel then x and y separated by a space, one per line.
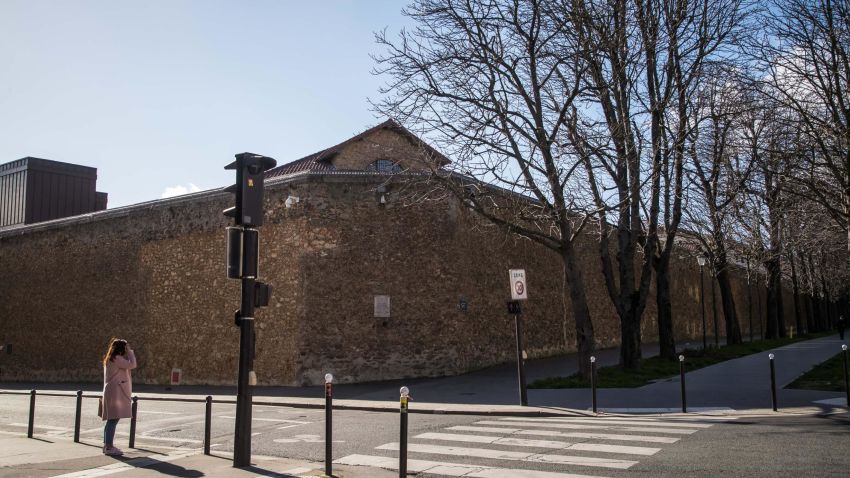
pixel 740 387
pixel 739 384
pixel 58 457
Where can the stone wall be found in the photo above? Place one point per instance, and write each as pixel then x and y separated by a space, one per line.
pixel 154 274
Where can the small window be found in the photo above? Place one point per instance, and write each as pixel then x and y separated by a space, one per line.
pixel 384 166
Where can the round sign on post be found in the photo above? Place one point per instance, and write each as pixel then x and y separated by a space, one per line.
pixel 519 290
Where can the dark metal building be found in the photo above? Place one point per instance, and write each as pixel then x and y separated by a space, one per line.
pixel 35 190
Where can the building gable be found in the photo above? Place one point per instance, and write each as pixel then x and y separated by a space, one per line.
pixel 388 141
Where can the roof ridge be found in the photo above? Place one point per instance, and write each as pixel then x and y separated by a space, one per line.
pixel 319 161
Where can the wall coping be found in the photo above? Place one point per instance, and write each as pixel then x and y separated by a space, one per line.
pixel 124 211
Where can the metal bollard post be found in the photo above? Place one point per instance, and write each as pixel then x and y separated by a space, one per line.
pixel 207 425
pixel 772 382
pixel 402 444
pixel 329 378
pixel 682 380
pixel 846 380
pixel 593 381
pixel 78 417
pixel 32 414
pixel 133 422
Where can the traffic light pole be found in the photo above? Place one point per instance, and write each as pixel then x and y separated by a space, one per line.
pixel 243 243
pixel 244 390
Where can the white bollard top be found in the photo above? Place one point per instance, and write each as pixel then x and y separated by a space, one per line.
pixel 681 358
pixel 404 391
pixel 592 359
pixel 329 378
pixel 844 347
pixel 770 356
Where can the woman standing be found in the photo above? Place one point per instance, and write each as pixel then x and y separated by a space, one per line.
pixel 117 390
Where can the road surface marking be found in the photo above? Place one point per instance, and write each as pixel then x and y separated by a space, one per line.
pixel 45 427
pixel 644 423
pixel 672 410
pixel 513 455
pixel 452 469
pixel 597 426
pixel 573 426
pixel 558 445
pixel 173 440
pixel 277 420
pixel 552 433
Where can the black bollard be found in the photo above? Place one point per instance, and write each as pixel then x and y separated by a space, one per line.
pixel 32 414
pixel 593 381
pixel 133 422
pixel 772 382
pixel 328 424
pixel 682 380
pixel 207 425
pixel 846 380
pixel 402 444
pixel 78 417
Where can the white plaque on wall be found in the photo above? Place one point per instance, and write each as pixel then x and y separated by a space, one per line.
pixel 382 306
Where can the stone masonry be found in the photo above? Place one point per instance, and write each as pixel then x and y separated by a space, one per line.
pixel 154 274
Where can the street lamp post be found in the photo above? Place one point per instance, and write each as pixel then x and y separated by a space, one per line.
pixel 701 262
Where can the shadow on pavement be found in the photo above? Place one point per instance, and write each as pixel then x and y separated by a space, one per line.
pixel 163 467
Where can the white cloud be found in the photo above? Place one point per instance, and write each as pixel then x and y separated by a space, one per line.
pixel 179 190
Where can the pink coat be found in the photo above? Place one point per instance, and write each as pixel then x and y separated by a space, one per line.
pixel 118 386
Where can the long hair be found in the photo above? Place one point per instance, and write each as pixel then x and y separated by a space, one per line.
pixel 116 347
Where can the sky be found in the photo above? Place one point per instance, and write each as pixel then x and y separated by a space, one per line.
pixel 159 95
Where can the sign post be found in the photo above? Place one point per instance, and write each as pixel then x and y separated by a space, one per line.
pixel 519 292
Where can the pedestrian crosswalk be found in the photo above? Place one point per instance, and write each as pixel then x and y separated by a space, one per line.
pixel 532 447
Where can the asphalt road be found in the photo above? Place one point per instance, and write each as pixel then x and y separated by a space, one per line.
pixel 774 445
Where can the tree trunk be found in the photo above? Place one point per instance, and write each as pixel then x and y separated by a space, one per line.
pixel 666 342
pixel 797 316
pixel 760 314
pixel 750 305
pixel 775 321
pixel 733 329
pixel 630 334
pixel 818 317
pixel 714 310
pixel 807 296
pixel 826 300
pixel 585 342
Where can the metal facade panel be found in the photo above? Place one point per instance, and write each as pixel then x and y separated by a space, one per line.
pixel 35 190
pixel 60 195
pixel 13 197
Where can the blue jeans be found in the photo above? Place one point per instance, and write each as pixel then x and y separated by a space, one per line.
pixel 109 431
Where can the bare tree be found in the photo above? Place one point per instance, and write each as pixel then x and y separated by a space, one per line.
pixel 720 168
pixel 805 55
pixel 644 58
pixel 582 106
pixel 699 36
pixel 494 85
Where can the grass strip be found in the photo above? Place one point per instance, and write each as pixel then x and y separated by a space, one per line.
pixel 656 368
pixel 828 376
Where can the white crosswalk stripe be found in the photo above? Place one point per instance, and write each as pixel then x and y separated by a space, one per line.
pixel 511 440
pixel 552 433
pixel 612 421
pixel 513 455
pixel 558 445
pixel 574 426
